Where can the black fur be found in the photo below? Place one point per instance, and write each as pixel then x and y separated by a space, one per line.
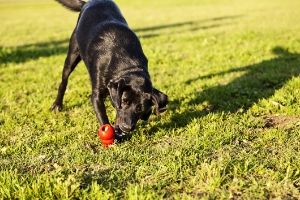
pixel 116 64
pixel 75 5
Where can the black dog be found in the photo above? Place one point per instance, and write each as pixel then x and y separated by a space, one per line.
pixel 116 64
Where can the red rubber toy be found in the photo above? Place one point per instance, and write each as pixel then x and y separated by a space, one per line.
pixel 106 134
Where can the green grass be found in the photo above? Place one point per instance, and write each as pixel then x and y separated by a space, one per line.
pixel 232 130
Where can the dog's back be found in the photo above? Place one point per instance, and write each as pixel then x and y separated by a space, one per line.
pixel 94 17
pixel 105 40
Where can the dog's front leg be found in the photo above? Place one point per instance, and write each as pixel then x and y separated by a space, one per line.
pixel 99 107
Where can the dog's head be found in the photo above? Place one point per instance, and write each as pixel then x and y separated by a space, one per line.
pixel 133 99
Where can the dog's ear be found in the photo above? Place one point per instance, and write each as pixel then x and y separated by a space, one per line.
pixel 160 101
pixel 116 88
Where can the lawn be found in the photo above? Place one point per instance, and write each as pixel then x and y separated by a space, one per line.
pixel 232 130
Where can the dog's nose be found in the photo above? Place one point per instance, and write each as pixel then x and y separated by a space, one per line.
pixel 126 128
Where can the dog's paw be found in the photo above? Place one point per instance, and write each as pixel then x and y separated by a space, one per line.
pixel 56 107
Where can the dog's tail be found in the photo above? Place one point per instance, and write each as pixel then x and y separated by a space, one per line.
pixel 74 5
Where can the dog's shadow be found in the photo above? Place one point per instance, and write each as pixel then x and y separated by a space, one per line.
pixel 259 81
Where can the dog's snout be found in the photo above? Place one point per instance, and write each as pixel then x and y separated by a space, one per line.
pixel 126 127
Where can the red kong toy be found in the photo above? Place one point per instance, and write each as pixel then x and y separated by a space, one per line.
pixel 106 134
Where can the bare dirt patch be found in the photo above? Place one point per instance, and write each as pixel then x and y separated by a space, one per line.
pixel 279 121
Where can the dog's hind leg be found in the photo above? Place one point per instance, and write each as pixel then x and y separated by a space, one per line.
pixel 73 58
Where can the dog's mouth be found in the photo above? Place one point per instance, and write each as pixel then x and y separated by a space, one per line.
pixel 124 131
pixel 120 134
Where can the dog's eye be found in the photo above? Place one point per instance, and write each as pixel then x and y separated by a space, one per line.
pixel 125 101
pixel 139 108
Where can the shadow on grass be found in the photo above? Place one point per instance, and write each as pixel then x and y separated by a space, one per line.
pixel 181 27
pixel 180 24
pixel 259 81
pixel 24 53
pixel 21 54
